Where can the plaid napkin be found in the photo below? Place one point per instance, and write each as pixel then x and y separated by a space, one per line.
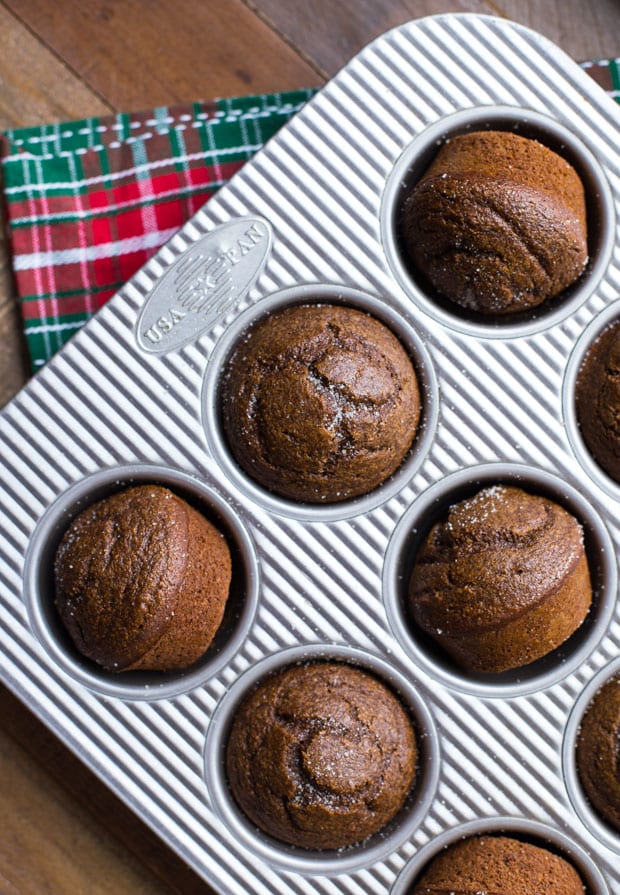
pixel 88 202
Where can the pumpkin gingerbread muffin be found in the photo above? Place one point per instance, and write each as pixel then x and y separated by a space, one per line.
pixel 142 580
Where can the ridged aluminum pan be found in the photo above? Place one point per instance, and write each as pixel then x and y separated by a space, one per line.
pixel 325 185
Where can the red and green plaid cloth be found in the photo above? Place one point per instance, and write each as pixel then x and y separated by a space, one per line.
pixel 88 202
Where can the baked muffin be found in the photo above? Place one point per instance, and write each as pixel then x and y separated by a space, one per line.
pixel 320 403
pixel 598 400
pixel 499 865
pixel 497 223
pixel 502 581
pixel 321 755
pixel 598 758
pixel 142 580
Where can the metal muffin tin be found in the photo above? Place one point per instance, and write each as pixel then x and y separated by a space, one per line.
pixel 134 397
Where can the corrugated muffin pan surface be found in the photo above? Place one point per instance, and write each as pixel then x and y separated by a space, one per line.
pixel 135 397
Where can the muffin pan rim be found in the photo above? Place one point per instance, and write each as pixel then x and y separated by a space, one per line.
pixel 321 293
pixel 594 823
pixel 139 686
pixel 464 120
pixel 310 862
pixel 590 334
pixel 479 477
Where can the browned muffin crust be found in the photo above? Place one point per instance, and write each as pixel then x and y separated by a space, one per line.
pixel 498 865
pixel 497 223
pixel 142 581
pixel 321 755
pixel 502 581
pixel 320 403
pixel 598 400
pixel 598 752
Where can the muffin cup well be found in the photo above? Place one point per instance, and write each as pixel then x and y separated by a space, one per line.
pixel 402 327
pixel 324 862
pixel 415 160
pixel 39 584
pixel 432 506
pixel 587 813
pixel 517 828
pixel 590 334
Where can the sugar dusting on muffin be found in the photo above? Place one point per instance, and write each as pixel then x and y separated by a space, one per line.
pixel 321 755
pixel 502 580
pixel 320 403
pixel 142 580
pixel 497 224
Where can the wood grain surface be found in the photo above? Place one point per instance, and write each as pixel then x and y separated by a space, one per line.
pixel 62 832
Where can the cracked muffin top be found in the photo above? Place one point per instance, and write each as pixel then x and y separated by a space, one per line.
pixel 321 755
pixel 497 224
pixel 320 403
pixel 502 580
pixel 142 580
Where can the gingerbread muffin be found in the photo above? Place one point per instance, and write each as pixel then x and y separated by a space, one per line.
pixel 321 755
pixel 320 403
pixel 499 865
pixel 598 757
pixel 502 581
pixel 142 580
pixel 598 400
pixel 497 223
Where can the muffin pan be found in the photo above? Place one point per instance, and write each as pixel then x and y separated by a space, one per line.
pixel 134 397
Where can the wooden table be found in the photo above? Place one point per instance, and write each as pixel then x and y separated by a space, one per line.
pixel 61 831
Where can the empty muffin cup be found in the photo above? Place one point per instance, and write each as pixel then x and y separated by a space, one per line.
pixel 320 402
pixel 485 224
pixel 94 648
pixel 507 854
pixel 330 739
pixel 490 667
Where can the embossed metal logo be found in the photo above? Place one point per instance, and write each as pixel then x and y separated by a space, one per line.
pixel 203 283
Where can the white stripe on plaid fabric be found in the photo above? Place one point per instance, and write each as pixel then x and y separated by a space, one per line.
pixel 126 172
pixel 145 185
pixel 82 248
pixel 104 211
pixel 36 260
